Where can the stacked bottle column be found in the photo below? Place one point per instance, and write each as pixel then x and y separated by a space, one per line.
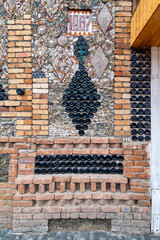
pixel 62 164
pixel 140 94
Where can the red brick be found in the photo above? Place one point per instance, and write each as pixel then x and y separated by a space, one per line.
pixel 32 188
pixel 113 187
pixel 140 197
pixel 131 146
pixel 121 196
pixel 62 187
pixel 123 188
pixel 72 187
pixel 21 189
pixel 91 209
pixel 51 209
pixel 133 158
pixel 99 195
pixel 62 178
pixel 133 169
pixel 99 140
pixel 17 139
pixel 100 151
pixel 45 197
pixel 110 209
pixel 80 179
pixel 63 151
pixel 41 179
pixel 4 139
pixel 103 187
pixel 81 140
pixel 52 187
pixel 23 204
pixel 139 190
pixel 63 141
pixel 93 187
pixel 83 195
pixel 9 150
pixel 45 141
pixel 115 140
pixel 81 151
pixel 24 180
pixel 41 188
pixel 64 196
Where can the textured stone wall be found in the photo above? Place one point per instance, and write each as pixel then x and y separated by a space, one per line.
pixel 40 60
pixel 53 51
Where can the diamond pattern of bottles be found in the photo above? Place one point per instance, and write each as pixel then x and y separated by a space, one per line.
pixel 67 164
pixel 81 99
pixel 140 94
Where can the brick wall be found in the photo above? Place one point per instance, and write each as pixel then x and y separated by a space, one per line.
pixel 27 201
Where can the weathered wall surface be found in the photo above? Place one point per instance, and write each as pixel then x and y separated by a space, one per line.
pixel 40 59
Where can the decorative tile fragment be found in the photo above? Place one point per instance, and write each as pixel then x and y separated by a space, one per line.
pixel 104 18
pixel 51 6
pixel 80 23
pixel 99 61
pixel 61 62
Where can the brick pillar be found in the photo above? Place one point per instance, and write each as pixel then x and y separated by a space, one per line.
pixel 122 68
pixel 20 73
pixel 40 106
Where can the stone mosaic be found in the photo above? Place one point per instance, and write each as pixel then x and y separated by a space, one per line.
pixel 3 49
pixel 53 54
pixel 11 6
pixel 99 61
pixel 104 18
pixel 62 63
pixel 7 127
pixel 15 8
pixel 4 163
pixel 51 6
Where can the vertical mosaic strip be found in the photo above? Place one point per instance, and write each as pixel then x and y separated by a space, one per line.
pixel 140 94
pixel 4 164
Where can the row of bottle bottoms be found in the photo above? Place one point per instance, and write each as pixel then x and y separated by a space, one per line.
pixel 140 85
pixel 78 164
pixel 140 78
pixel 141 138
pixel 140 58
pixel 79 171
pixel 140 125
pixel 140 50
pixel 140 65
pixel 82 157
pixel 135 71
pixel 141 119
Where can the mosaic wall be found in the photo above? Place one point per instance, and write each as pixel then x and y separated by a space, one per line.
pixel 53 57
pixel 3 67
